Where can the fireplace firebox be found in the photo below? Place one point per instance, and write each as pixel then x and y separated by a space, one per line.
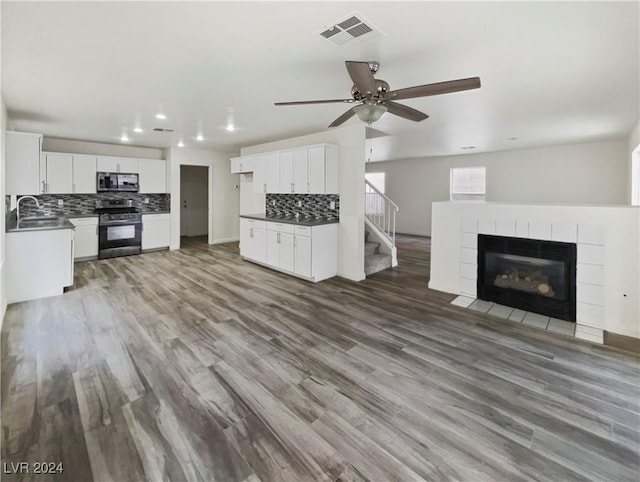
pixel 529 274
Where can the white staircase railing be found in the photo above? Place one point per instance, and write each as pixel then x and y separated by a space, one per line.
pixel 380 211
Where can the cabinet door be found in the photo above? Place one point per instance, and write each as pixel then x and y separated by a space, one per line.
pixel 259 246
pixel 153 176
pixel 86 241
pixel 273 248
pixel 273 173
pixel 286 172
pixel 59 178
pixel 84 174
pixel 302 253
pixel 286 252
pixel 301 171
pixel 155 234
pixel 246 241
pixel 316 170
pixel 128 165
pixel 260 168
pixel 107 164
pixel 22 154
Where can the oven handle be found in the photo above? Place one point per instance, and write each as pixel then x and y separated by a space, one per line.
pixel 121 223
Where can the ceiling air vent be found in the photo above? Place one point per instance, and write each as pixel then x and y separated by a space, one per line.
pixel 350 30
pixel 160 129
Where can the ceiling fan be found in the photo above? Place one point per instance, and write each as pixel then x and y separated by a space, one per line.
pixel 375 98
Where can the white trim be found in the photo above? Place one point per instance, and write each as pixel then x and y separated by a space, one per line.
pixel 225 240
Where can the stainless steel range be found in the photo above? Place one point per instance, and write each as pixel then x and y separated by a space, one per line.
pixel 120 228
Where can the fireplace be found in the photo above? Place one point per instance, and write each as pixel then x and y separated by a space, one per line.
pixel 529 274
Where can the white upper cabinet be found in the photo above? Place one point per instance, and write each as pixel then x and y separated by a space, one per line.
pixel 58 173
pixel 323 170
pixel 301 171
pixel 286 172
pixel 309 170
pixel 241 164
pixel 128 165
pixel 22 154
pixel 266 173
pixel 152 176
pixel 84 174
pixel 115 164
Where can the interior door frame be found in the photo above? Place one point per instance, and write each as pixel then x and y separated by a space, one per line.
pixel 209 195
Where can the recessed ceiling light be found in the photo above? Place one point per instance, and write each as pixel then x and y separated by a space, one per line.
pixel 138 130
pixel 200 137
pixel 124 138
pixel 230 127
pixel 161 116
pixel 180 144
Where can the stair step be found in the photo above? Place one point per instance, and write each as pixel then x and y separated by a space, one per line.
pixel 376 262
pixel 371 248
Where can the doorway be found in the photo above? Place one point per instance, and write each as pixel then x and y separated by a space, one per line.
pixel 194 204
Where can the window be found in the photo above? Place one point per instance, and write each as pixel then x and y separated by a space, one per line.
pixel 468 183
pixel 377 179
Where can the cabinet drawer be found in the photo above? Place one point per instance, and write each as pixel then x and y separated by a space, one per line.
pixel 156 217
pixel 302 231
pixel 254 223
pixel 89 221
pixel 280 227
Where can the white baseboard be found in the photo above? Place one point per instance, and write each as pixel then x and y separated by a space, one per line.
pixel 225 240
pixel 444 289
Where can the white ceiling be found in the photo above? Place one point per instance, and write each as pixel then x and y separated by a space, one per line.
pixel 552 72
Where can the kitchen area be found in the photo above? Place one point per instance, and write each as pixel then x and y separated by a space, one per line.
pixel 65 207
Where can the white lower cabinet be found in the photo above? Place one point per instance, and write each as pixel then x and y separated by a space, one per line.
pixel 307 252
pixel 156 231
pixel 38 263
pixel 85 237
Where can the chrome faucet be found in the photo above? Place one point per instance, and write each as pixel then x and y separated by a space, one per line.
pixel 18 205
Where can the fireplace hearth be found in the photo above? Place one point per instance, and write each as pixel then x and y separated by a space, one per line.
pixel 529 274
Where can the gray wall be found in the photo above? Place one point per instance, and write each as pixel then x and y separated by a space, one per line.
pixel 594 173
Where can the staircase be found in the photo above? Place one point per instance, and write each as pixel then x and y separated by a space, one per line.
pixel 380 225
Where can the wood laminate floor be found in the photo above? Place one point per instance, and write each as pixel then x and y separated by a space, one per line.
pixel 194 365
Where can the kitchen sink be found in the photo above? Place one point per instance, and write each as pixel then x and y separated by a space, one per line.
pixel 39 222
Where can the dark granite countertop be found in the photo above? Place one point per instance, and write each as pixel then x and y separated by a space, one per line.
pixel 291 220
pixel 83 215
pixel 53 222
pixel 155 212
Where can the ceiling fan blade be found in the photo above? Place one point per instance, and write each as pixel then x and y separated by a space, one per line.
pixel 305 102
pixel 362 77
pixel 434 89
pixel 343 118
pixel 405 111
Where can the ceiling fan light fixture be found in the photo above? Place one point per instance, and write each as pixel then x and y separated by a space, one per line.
pixel 370 113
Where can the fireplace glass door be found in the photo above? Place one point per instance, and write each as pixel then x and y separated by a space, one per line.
pixel 531 275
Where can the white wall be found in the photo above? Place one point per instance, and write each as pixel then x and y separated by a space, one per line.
pixel 224 199
pixel 594 173
pixel 72 146
pixel 617 250
pixel 351 142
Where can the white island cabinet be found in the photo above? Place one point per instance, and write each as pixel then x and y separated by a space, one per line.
pixel 308 252
pixel 38 263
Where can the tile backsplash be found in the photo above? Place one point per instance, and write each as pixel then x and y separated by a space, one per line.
pixel 75 204
pixel 308 205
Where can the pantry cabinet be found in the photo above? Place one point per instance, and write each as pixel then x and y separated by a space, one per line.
pixel 308 252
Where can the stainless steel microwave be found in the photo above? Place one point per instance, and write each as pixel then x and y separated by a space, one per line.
pixel 117 181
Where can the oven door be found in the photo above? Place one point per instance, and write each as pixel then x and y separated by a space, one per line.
pixel 120 239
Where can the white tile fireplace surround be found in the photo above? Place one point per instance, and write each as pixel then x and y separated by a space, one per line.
pixel 608 254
